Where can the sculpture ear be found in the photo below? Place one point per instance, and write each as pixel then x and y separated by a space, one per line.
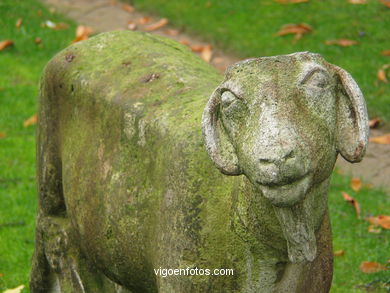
pixel 352 118
pixel 218 145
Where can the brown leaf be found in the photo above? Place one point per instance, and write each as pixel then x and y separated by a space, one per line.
pixel 2 135
pixel 381 220
pixel 357 1
pixel 38 41
pixel 82 33
pixel 356 184
pixel 5 44
pixel 382 75
pixel 131 25
pixel 353 202
pixel 207 53
pixel 382 139
pixel 386 3
pixel 128 8
pixel 185 42
pixel 197 48
pixel 291 1
pixel 369 267
pixel 155 26
pixel 341 42
pixel 144 20
pixel 386 53
pixel 172 32
pixel 340 252
pixel 374 123
pixel 31 121
pixel 19 22
pixel 297 29
pixel 374 229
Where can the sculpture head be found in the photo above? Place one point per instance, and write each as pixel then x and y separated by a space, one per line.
pixel 281 121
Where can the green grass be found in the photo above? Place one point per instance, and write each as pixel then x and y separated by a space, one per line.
pixel 247 29
pixel 21 65
pixel 20 69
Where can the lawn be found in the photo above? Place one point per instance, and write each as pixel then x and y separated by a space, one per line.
pixel 248 29
pixel 237 29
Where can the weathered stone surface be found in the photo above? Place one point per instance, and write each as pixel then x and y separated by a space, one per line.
pixel 126 185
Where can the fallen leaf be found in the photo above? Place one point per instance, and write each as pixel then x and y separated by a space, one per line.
pixel 386 3
pixel 382 139
pixel 207 53
pixel 291 1
pixel 382 75
pixel 131 25
pixel 15 290
pixel 38 41
pixel 128 8
pixel 185 42
pixel 31 121
pixel 2 135
pixel 356 184
pixel 19 22
pixel 381 220
pixel 374 229
pixel 341 42
pixel 56 26
pixel 357 1
pixel 172 32
pixel 197 48
pixel 369 267
pixel 374 123
pixel 82 33
pixel 144 20
pixel 353 202
pixel 386 53
pixel 297 29
pixel 155 26
pixel 340 252
pixel 5 44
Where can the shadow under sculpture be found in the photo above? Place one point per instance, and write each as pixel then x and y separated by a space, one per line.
pixel 126 185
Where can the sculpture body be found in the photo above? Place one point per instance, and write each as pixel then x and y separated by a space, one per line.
pixel 127 186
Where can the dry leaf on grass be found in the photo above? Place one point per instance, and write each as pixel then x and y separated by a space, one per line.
pixel 128 8
pixel 155 26
pixel 5 44
pixel 353 202
pixel 172 32
pixel 369 267
pixel 291 1
pixel 381 75
pixel 82 33
pixel 356 184
pixel 31 121
pixel 2 135
pixel 15 290
pixel 374 229
pixel 340 252
pixel 55 26
pixel 19 22
pixel 144 20
pixel 341 42
pixel 386 3
pixel 381 220
pixel 357 1
pixel 296 29
pixel 386 53
pixel 374 123
pixel 38 41
pixel 207 53
pixel 382 139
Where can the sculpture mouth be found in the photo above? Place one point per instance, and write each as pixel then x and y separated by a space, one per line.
pixel 284 195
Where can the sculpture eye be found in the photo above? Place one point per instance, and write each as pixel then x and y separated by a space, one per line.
pixel 318 79
pixel 227 98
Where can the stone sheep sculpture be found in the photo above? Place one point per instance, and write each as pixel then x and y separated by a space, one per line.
pixel 127 188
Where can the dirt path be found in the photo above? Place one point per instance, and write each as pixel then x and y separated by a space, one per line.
pixel 107 15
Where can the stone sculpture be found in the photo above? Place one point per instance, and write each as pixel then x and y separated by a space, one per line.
pixel 126 185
